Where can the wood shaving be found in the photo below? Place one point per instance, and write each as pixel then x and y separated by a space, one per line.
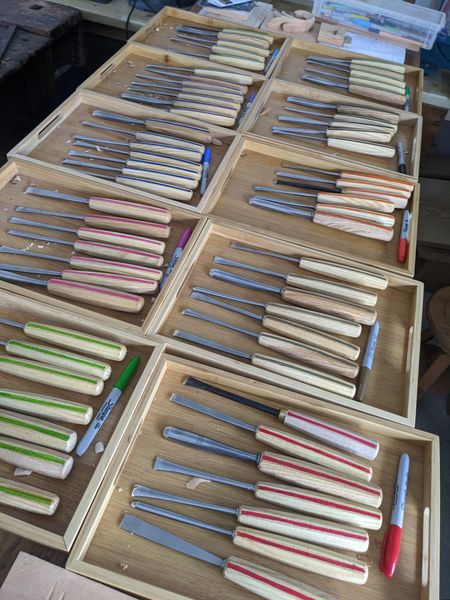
pixel 123 566
pixel 99 448
pixel 193 483
pixel 18 471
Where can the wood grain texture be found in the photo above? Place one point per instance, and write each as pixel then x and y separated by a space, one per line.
pixel 49 407
pixel 345 292
pixel 345 273
pixel 354 225
pixel 37 431
pixel 315 319
pixel 27 497
pixel 41 460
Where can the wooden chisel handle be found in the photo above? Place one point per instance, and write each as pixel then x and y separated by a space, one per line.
pixel 397 201
pixel 344 273
pixel 155 187
pixel 267 583
pixel 207 117
pixel 361 147
pixel 369 216
pixel 377 179
pixel 238 62
pixel 320 505
pixel 169 161
pixel 301 555
pixel 197 96
pixel 195 134
pixel 97 296
pixel 180 152
pixel 46 406
pixel 313 452
pixel 320 321
pixel 134 210
pixel 363 111
pixel 120 253
pixel 338 290
pixel 37 431
pixel 227 85
pixel 236 37
pixel 349 199
pixel 311 336
pixel 229 49
pixel 319 379
pixel 146 136
pixel 358 135
pixel 227 76
pixel 138 160
pixel 251 33
pixel 330 306
pixel 27 497
pixel 309 355
pixel 310 476
pixel 50 375
pixel 211 109
pixel 126 225
pixel 211 91
pixel 387 66
pixel 379 77
pixel 301 527
pixel 354 226
pixel 370 186
pixel 86 263
pixel 59 358
pixel 247 49
pixel 348 124
pixel 121 239
pixel 376 91
pixel 394 77
pixel 125 283
pixel 356 119
pixel 145 172
pixel 331 433
pixel 38 459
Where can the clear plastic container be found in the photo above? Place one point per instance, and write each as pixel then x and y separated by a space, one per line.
pixel 392 20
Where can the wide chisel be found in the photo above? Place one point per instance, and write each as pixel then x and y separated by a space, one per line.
pixel 38 459
pixel 37 431
pixel 27 497
pixel 288 496
pixel 57 409
pixel 259 580
pixel 309 529
pixel 277 547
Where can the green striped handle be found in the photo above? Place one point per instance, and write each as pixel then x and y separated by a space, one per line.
pixel 46 406
pixel 38 459
pixel 37 431
pixel 26 497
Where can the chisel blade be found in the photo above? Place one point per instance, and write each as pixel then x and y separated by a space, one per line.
pixel 211 412
pixel 36 191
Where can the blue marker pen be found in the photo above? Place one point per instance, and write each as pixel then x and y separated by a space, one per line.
pixel 205 172
pixel 246 107
pixel 367 361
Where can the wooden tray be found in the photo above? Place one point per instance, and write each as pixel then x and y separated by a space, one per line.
pixel 393 383
pixel 105 553
pixel 15 178
pixel 50 142
pixel 272 99
pixel 162 27
pixel 291 66
pixel 254 162
pixel 78 490
pixel 114 77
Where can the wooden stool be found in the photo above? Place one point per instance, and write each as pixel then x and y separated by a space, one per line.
pixel 438 313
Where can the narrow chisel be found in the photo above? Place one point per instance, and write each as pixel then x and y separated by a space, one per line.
pixel 57 409
pixel 235 47
pixel 38 459
pixel 224 104
pixel 36 431
pixel 390 116
pixel 218 74
pixel 26 497
pixel 241 35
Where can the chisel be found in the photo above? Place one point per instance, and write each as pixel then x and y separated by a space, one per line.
pixel 235 35
pixel 341 218
pixel 390 116
pixel 209 88
pixel 307 335
pixel 324 286
pixel 222 76
pixel 285 442
pixel 81 292
pixel 27 497
pixel 316 531
pixel 331 269
pixel 298 472
pixel 122 224
pixel 343 120
pixel 57 409
pixel 113 206
pixel 36 431
pixel 311 300
pixel 251 33
pixel 38 459
pixel 316 377
pixel 366 63
pixel 374 77
pixel 277 547
pixel 288 496
pixel 379 133
pixel 326 431
pixel 259 580
pixel 234 47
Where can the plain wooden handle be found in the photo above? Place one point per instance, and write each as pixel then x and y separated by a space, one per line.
pixel 116 252
pixel 378 218
pixel 86 263
pixel 379 77
pixel 212 81
pixel 363 111
pixel 37 431
pixel 175 142
pixel 170 161
pixel 203 116
pixel 338 290
pixel 319 505
pixel 97 296
pixel 361 147
pixel 301 527
pixel 246 49
pixel 305 474
pixel 301 555
pixel 235 61
pixel 57 409
pixel 189 133
pixel 309 355
pixel 177 151
pixel 126 283
pixel 354 226
pixel 134 210
pixel 387 66
pixel 210 109
pixel 252 33
pixel 358 135
pixel 311 336
pixel 345 273
pixel 26 497
pixel 146 172
pixel 59 358
pixel 348 124
pixel 236 37
pixel 330 306
pixel 230 50
pixel 155 168
pixel 319 379
pixel 320 321
pixel 376 91
pixel 380 179
pixel 38 459
pixel 214 103
pixel 350 199
pixel 372 187
pixel 313 452
pixel 267 583
pixel 84 342
pixel 356 119
pixel 52 376
pixel 331 433
pixel 154 187
pixel 237 78
pixel 398 201
pixel 211 91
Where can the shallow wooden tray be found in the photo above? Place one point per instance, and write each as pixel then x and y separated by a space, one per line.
pixel 105 553
pixel 254 162
pixel 15 178
pixel 393 383
pixel 114 77
pixel 291 66
pixel 50 142
pixel 162 27
pixel 78 490
pixel 272 99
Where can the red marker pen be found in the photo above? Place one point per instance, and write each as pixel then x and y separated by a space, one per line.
pixel 392 539
pixel 402 248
